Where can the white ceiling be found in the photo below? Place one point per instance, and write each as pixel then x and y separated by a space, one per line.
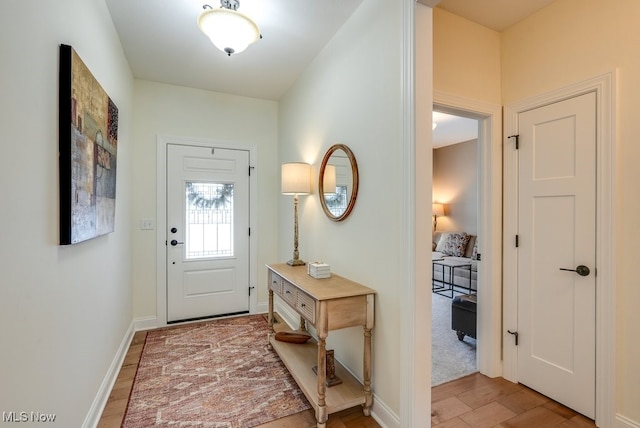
pixel 453 129
pixel 162 43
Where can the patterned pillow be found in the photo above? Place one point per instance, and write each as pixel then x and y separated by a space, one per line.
pixel 453 244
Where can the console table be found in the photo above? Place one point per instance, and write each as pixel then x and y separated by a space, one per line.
pixel 327 304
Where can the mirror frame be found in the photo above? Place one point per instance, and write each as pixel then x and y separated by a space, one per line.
pixel 354 176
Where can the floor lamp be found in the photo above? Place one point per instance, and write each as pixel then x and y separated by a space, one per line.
pixel 296 180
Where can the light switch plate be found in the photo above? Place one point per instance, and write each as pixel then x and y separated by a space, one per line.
pixel 146 224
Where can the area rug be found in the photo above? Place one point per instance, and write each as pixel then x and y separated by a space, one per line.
pixel 211 374
pixel 450 358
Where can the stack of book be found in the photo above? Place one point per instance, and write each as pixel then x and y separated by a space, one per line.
pixel 319 270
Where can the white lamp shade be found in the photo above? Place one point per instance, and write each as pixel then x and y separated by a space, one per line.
pixel 437 209
pixel 296 178
pixel 329 179
pixel 229 30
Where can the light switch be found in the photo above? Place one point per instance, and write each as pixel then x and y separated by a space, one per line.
pixel 146 224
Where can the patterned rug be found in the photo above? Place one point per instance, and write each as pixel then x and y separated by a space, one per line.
pixel 211 374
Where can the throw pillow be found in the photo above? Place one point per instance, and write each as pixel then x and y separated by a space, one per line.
pixel 474 253
pixel 453 244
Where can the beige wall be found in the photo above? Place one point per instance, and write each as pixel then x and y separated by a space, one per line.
pixel 169 110
pixel 455 184
pixel 466 58
pixel 564 43
pixel 65 309
pixel 571 41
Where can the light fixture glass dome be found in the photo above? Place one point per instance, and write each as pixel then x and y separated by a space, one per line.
pixel 229 30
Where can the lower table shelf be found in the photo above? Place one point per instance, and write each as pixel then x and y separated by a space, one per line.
pixel 300 360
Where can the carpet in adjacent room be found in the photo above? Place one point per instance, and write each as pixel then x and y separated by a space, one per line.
pixel 450 358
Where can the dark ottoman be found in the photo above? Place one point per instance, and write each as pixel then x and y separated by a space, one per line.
pixel 463 315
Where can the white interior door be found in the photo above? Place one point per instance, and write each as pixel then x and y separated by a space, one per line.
pixel 556 230
pixel 207 232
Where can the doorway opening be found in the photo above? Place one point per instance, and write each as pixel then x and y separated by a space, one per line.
pixel 488 118
pixel 455 241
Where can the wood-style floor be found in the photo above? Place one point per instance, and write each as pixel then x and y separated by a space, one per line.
pixel 474 401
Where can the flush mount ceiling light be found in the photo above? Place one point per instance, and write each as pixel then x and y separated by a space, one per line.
pixel 229 30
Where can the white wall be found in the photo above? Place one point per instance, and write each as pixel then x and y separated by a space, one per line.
pixel 65 310
pixel 351 94
pixel 168 110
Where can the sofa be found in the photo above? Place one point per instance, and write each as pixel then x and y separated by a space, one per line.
pixel 456 246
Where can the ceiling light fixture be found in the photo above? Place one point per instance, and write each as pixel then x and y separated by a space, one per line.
pixel 229 30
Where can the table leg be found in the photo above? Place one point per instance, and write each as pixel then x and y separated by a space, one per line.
pixel 270 318
pixel 303 324
pixel 368 397
pixel 322 415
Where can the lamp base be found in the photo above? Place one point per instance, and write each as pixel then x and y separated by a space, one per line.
pixel 296 262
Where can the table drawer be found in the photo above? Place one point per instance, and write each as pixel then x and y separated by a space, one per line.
pixel 275 282
pixel 306 306
pixel 289 293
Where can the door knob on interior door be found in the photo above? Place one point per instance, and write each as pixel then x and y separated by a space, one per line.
pixel 581 270
pixel 174 242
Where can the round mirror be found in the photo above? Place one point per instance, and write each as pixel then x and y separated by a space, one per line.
pixel 338 182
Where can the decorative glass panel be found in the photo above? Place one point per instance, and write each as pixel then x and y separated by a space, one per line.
pixel 337 202
pixel 209 220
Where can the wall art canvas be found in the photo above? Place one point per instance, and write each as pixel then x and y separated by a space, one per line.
pixel 88 123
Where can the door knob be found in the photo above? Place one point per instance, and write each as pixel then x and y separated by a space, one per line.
pixel 174 242
pixel 581 270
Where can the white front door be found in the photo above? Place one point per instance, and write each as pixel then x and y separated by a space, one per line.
pixel 207 232
pixel 556 235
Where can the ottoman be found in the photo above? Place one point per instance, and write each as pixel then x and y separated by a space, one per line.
pixel 463 315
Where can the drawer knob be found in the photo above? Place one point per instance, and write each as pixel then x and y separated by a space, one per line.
pixel 304 305
pixel 288 292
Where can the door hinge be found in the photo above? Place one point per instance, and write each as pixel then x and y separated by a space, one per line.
pixel 515 334
pixel 249 231
pixel 517 241
pixel 250 288
pixel 250 168
pixel 516 136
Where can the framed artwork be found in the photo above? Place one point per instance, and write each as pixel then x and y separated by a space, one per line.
pixel 88 143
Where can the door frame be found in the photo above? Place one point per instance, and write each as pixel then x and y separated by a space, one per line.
pixel 604 87
pixel 161 225
pixel 489 116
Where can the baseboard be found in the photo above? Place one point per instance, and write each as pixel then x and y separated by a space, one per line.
pixel 145 323
pixel 624 422
pixel 382 414
pixel 261 308
pixel 287 314
pixel 100 401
